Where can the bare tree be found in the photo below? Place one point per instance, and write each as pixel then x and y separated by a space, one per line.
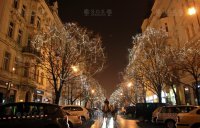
pixel 67 46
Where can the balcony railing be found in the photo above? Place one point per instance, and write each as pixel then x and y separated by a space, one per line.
pixel 31 50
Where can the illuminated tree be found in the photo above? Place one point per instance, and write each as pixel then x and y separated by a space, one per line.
pixel 149 59
pixel 65 47
pixel 188 62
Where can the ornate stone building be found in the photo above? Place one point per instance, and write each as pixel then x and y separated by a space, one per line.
pixel 173 17
pixel 20 79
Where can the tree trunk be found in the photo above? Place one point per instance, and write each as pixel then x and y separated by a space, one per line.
pixel 175 94
pixel 57 99
pixel 159 97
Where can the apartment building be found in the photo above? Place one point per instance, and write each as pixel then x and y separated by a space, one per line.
pixel 20 77
pixel 181 20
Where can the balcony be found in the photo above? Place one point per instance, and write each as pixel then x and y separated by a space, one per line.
pixel 31 51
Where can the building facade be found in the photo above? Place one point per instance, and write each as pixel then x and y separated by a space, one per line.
pixel 20 77
pixel 172 16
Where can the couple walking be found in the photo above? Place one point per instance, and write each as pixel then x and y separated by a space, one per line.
pixel 109 110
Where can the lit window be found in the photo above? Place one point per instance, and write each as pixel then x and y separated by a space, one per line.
pixel 6 61
pixel 10 30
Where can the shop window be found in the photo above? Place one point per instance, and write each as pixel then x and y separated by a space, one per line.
pixel 6 61
pixel 11 29
pixel 23 11
pixel 19 38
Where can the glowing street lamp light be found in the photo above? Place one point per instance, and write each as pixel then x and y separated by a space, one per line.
pixel 93 91
pixel 192 11
pixel 13 69
pixel 129 84
pixel 75 68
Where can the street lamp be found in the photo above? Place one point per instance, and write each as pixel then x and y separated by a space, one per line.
pixel 193 11
pixel 93 91
pixel 129 84
pixel 75 68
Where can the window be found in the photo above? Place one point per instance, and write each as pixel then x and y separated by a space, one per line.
pixel 37 74
pixel 76 109
pixel 11 110
pixel 188 32
pixel 26 70
pixel 42 78
pixel 29 40
pixel 166 27
pixel 51 109
pixel 193 31
pixel 16 66
pixel 15 4
pixel 32 17
pixel 10 29
pixel 66 108
pixel 6 61
pixel 23 11
pixel 38 22
pixel 19 38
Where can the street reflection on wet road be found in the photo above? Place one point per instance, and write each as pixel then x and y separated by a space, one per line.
pixel 119 123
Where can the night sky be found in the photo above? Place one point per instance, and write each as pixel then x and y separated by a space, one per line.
pixel 116 22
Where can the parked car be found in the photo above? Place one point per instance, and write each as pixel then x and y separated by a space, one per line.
pixel 189 120
pixel 32 115
pixel 168 114
pixel 130 110
pixel 77 110
pixel 144 111
pixel 73 120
